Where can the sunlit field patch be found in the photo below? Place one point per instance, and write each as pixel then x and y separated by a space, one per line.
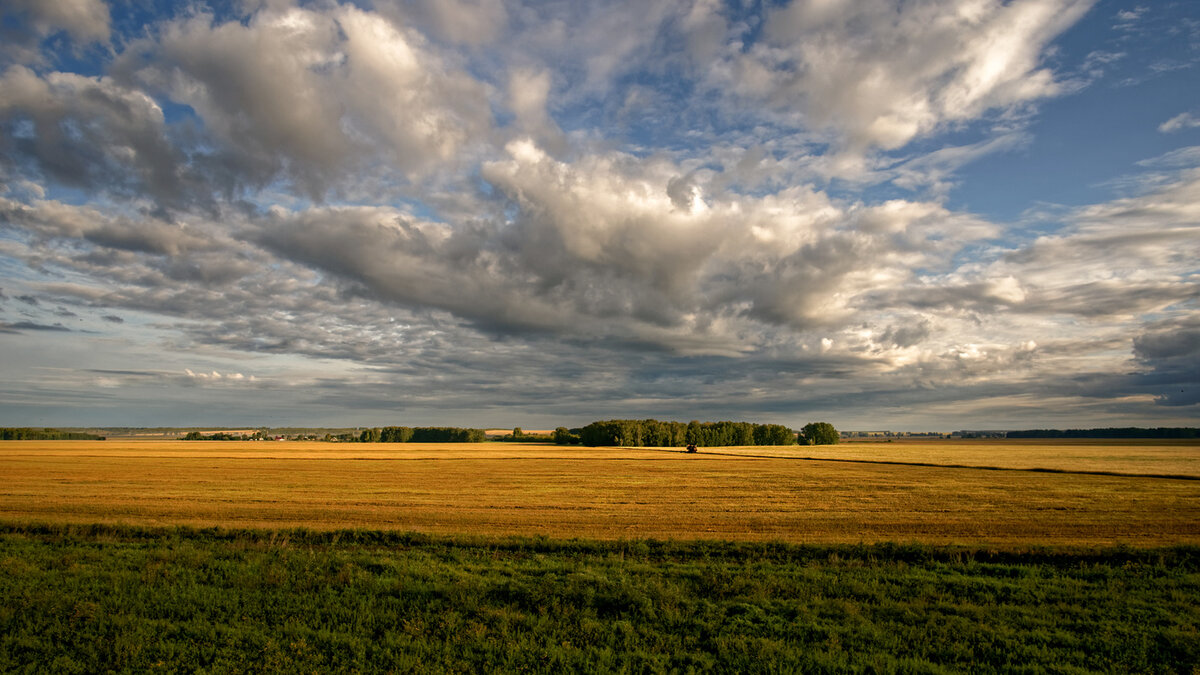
pixel 933 492
pixel 1136 457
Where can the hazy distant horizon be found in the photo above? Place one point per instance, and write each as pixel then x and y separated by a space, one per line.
pixel 914 216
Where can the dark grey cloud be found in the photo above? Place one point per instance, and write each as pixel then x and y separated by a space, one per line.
pixel 129 373
pixel 25 23
pixel 85 20
pixel 907 335
pixel 1188 393
pixel 146 236
pixel 90 133
pixel 30 325
pixel 1175 343
pixel 683 192
pixel 1171 351
pixel 112 318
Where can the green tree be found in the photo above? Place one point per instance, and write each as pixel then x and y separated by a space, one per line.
pixel 395 434
pixel 773 434
pixel 819 433
pixel 563 436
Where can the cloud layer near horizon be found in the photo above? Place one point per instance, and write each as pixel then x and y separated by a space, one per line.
pixel 668 208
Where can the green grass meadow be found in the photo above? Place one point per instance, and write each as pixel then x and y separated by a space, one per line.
pixel 88 599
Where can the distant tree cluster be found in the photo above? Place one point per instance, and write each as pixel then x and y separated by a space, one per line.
pixel 421 435
pixel 565 436
pixel 1112 432
pixel 386 435
pixel 819 433
pixel 47 434
pixel 219 436
pixel 653 433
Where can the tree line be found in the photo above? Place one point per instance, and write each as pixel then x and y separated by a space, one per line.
pixel 629 433
pixel 369 435
pixel 654 433
pixel 46 434
pixel 1111 432
pixel 421 435
pixel 220 436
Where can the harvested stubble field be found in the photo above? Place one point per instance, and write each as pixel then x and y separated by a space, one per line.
pixel 994 493
pixel 1006 564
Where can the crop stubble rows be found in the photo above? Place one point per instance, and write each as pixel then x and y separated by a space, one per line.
pixel 598 493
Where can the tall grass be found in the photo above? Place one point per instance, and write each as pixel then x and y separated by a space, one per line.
pixel 128 599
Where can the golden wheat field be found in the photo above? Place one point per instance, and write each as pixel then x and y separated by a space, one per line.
pixel 1012 493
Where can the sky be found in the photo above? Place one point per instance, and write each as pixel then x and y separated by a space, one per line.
pixel 883 214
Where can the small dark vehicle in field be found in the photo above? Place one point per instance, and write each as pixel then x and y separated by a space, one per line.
pixel 691 447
